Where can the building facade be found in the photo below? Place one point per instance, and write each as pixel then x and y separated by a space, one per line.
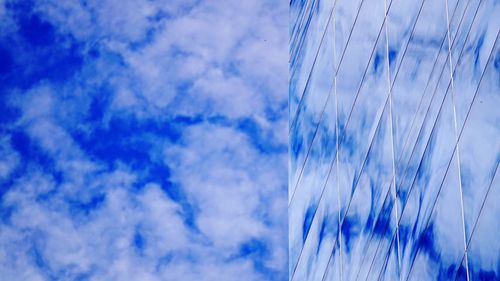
pixel 394 140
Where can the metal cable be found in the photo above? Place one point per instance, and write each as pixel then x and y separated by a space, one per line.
pixel 478 216
pixel 466 118
pixel 421 129
pixel 337 145
pixel 316 56
pixel 457 147
pixel 391 123
pixel 393 85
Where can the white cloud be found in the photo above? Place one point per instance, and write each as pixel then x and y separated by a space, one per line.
pixel 156 60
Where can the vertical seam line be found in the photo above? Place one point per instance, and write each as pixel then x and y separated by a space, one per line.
pixel 391 123
pixel 457 147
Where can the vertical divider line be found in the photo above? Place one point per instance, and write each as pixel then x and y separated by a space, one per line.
pixel 339 228
pixel 391 123
pixel 457 147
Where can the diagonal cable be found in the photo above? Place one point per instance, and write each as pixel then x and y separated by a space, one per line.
pixel 294 117
pixel 337 142
pixel 455 127
pixel 323 110
pixel 358 91
pixel 316 57
pixel 460 134
pixel 419 134
pixel 478 216
pixel 331 164
pixel 371 265
pixel 396 76
pixel 301 32
pixel 422 156
pixel 391 123
pixel 434 203
pixel 298 24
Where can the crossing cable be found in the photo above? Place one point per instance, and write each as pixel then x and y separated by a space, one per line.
pixel 324 107
pixel 323 110
pixel 478 216
pixel 352 107
pixel 391 123
pixel 433 129
pixel 393 85
pixel 347 123
pixel 449 163
pixel 439 113
pixel 295 183
pixel 419 134
pixel 316 57
pixel 457 147
pixel 356 97
pixel 442 182
pixel 411 127
pixel 379 121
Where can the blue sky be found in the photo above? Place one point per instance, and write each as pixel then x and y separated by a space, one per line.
pixel 143 140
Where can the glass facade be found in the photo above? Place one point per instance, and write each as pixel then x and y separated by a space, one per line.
pixel 394 140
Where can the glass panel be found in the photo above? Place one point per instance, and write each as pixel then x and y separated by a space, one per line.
pixel 360 62
pixel 480 182
pixel 333 271
pixel 419 228
pixel 418 94
pixel 305 44
pixel 322 236
pixel 359 227
pixel 484 247
pixel 304 128
pixel 305 199
pixel 374 264
pixel 479 143
pixel 440 240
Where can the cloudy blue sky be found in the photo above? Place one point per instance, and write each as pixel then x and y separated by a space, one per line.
pixel 143 140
